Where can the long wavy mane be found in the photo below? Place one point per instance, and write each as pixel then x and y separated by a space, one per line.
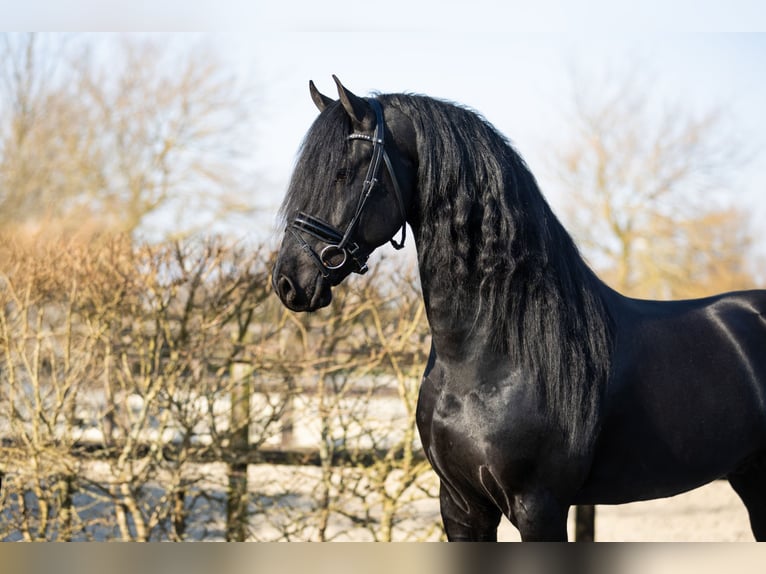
pixel 486 234
pixel 485 220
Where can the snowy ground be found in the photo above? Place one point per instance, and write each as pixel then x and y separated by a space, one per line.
pixel 280 495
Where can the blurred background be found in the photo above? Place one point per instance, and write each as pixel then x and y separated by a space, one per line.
pixel 649 146
pixel 151 388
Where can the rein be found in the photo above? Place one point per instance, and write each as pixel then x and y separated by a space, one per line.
pixel 340 247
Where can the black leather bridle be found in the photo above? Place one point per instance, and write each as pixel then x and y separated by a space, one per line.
pixel 340 248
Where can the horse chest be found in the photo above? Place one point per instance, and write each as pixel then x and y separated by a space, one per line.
pixel 467 425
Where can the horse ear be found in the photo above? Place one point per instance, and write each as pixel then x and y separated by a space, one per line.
pixel 320 99
pixel 355 107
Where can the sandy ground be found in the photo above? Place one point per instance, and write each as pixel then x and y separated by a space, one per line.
pixel 712 513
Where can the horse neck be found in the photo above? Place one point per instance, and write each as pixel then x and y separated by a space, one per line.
pixel 549 324
pixel 503 283
pixel 488 243
pixel 472 314
pixel 457 330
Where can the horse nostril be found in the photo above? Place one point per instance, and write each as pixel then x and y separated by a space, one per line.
pixel 285 289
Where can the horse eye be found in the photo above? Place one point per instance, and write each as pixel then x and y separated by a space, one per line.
pixel 342 175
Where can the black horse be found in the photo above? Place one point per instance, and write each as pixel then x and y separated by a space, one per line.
pixel 544 388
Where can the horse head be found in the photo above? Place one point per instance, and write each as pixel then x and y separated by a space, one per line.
pixel 348 195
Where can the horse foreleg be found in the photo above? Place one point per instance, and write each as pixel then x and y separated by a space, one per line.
pixel 539 517
pixel 466 521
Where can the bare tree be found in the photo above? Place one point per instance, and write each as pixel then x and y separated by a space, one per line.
pixel 130 351
pixel 47 155
pixel 140 385
pixel 100 144
pixel 646 188
pixel 47 354
pixel 359 368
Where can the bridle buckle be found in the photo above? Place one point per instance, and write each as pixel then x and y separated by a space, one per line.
pixel 326 256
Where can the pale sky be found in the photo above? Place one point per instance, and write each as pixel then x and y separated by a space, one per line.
pixel 521 82
pixel 512 61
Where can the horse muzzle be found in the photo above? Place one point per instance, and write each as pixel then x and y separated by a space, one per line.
pixel 298 298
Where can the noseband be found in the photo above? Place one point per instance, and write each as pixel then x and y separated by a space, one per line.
pixel 340 248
